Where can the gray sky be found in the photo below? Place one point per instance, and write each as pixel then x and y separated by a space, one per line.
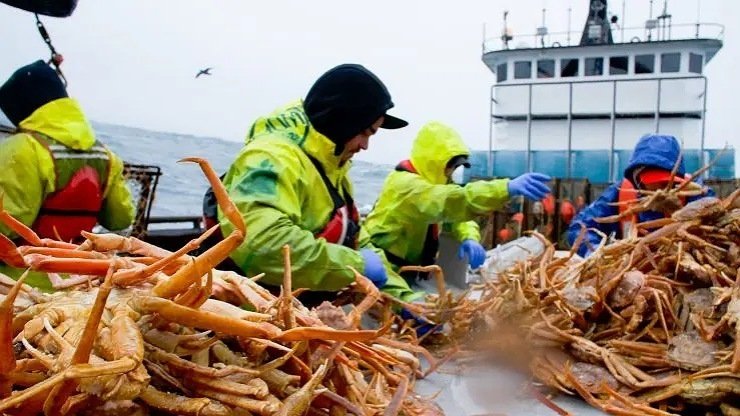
pixel 132 62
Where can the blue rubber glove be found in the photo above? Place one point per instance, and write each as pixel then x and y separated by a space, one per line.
pixel 530 185
pixel 422 326
pixel 374 268
pixel 475 252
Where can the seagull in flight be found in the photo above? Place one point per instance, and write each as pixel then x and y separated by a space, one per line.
pixel 206 71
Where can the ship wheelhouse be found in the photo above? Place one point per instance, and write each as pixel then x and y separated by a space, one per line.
pixel 577 111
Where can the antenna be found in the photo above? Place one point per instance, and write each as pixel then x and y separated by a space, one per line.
pixel 665 23
pixel 698 17
pixel 624 14
pixel 650 24
pixel 542 30
pixel 569 12
pixel 506 35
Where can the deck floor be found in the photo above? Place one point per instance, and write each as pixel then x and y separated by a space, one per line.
pixel 490 389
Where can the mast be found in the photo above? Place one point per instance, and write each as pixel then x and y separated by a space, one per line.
pixel 597 30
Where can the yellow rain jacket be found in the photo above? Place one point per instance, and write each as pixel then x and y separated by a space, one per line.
pixel 283 200
pixel 410 202
pixel 28 172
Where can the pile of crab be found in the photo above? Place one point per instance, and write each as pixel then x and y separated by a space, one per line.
pixel 140 330
pixel 647 325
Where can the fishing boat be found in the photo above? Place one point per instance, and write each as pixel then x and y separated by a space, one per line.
pixel 573 105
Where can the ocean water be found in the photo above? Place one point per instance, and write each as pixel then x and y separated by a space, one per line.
pixel 182 185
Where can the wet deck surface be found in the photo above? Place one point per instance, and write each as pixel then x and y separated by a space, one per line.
pixel 490 389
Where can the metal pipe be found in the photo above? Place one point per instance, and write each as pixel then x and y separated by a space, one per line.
pixel 529 131
pixel 614 128
pixel 570 129
pixel 490 134
pixel 623 19
pixel 569 12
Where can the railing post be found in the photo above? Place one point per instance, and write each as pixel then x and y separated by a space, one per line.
pixel 703 124
pixel 570 129
pixel 614 125
pixel 490 134
pixel 657 107
pixel 529 131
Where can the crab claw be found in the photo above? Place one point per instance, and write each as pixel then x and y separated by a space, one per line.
pixel 7 357
pixel 18 227
pixel 191 272
pixel 9 253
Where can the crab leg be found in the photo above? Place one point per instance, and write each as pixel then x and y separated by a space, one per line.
pixel 298 402
pixel 10 254
pixel 61 392
pixel 181 405
pixel 188 274
pixel 131 277
pixel 195 318
pixel 27 233
pixel 7 357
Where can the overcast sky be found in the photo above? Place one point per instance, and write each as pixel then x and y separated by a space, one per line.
pixel 133 62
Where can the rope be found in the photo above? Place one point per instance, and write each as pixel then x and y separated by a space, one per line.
pixel 56 58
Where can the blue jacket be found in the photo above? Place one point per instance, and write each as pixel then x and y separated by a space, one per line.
pixel 651 150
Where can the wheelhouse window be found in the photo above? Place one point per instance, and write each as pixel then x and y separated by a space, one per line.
pixel 695 63
pixel 522 69
pixel 594 66
pixel 545 68
pixel 568 68
pixel 670 62
pixel 501 72
pixel 618 65
pixel 644 64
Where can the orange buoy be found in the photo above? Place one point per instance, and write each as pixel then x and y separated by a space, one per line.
pixel 504 235
pixel 548 203
pixel 567 211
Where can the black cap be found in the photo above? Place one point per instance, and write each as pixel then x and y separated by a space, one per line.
pixel 29 88
pixel 346 100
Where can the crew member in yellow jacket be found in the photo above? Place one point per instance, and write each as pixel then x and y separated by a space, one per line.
pixel 420 196
pixel 56 177
pixel 290 183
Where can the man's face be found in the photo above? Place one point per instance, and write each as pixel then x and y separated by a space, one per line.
pixel 360 142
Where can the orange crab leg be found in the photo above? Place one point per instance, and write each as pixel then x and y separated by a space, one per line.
pixel 9 253
pixel 61 252
pixel 330 334
pixel 129 277
pixel 115 242
pixel 7 356
pixel 191 272
pixel 18 227
pixel 60 393
pixel 95 267
pixel 196 318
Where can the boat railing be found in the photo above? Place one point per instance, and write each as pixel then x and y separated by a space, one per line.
pixel 608 108
pixel 660 33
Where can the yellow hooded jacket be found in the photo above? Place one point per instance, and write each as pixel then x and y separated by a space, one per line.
pixel 283 200
pixel 28 173
pixel 410 202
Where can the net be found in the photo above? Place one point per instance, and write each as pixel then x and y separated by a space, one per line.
pixel 142 182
